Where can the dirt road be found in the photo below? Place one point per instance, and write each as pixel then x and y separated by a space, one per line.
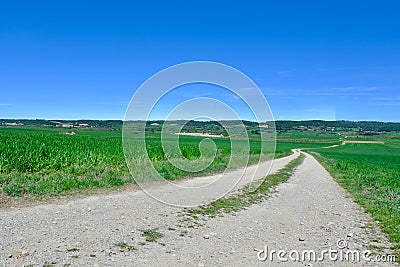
pixel 309 212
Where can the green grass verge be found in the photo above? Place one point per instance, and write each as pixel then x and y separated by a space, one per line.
pixel 371 174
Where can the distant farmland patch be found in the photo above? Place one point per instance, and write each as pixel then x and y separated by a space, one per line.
pixel 364 142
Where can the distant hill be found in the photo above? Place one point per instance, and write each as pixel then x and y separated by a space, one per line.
pixel 359 126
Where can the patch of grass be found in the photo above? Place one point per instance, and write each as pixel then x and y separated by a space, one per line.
pixel 246 197
pixel 13 190
pixel 125 246
pixel 151 235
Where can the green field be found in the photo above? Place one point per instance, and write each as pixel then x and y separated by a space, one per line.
pixel 371 174
pixel 46 161
pixel 43 161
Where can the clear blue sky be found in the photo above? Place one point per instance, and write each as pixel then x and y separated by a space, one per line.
pixel 312 59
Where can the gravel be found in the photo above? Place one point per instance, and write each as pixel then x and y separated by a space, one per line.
pixel 309 212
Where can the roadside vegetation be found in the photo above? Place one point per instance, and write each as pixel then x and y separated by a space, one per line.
pixel 371 174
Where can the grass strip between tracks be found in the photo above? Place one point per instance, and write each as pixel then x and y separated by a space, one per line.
pixel 246 197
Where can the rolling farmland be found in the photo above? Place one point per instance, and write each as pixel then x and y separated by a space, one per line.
pixel 47 161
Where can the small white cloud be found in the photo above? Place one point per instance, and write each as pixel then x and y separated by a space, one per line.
pixel 386 98
pixel 332 91
pixel 385 101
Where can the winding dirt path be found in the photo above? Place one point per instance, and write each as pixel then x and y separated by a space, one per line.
pixel 309 212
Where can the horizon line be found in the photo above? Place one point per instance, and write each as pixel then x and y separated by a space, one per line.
pixel 198 120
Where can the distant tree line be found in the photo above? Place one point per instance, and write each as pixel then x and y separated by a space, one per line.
pixel 364 126
pixel 284 125
pixel 42 122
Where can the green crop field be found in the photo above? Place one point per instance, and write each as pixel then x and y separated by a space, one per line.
pixel 43 161
pixel 46 161
pixel 371 173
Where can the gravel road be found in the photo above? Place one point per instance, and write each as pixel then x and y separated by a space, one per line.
pixel 309 212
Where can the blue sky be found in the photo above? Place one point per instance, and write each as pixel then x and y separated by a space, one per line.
pixel 312 59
